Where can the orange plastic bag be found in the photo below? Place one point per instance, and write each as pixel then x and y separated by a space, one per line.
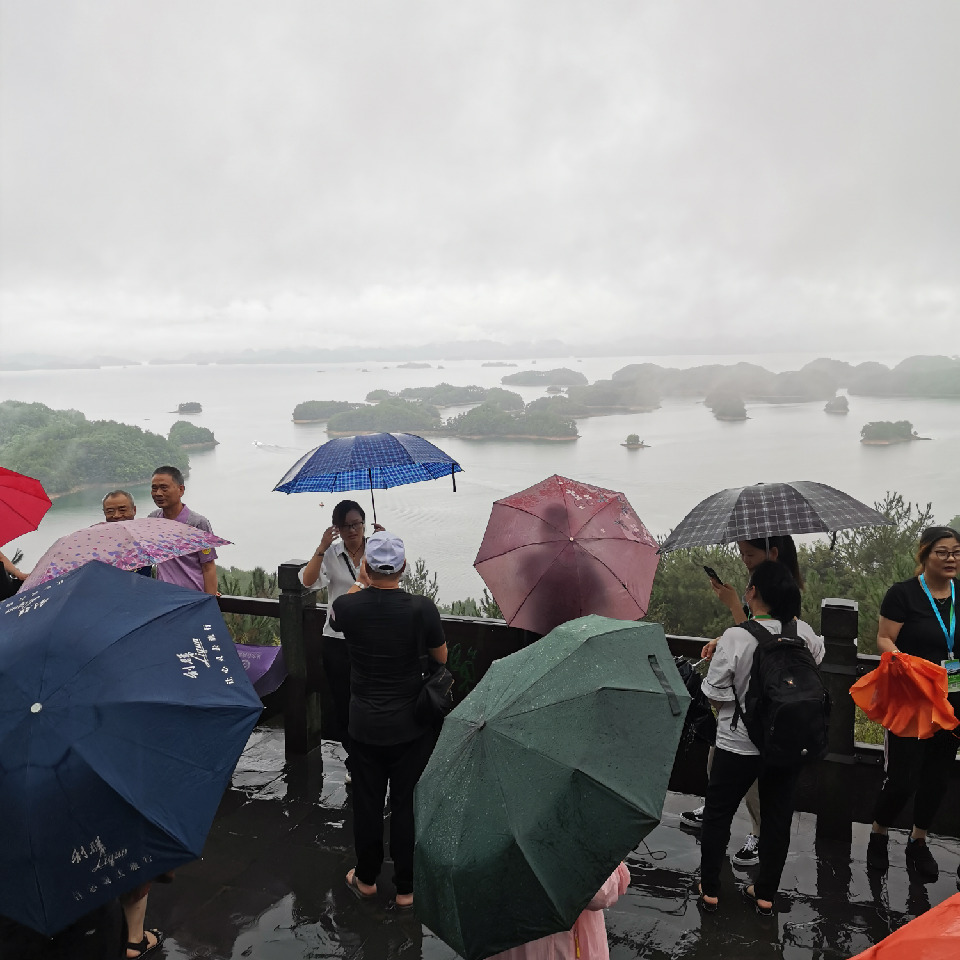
pixel 934 935
pixel 907 695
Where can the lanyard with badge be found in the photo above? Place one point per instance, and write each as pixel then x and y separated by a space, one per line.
pixel 951 665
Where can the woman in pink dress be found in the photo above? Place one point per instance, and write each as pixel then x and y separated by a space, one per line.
pixel 587 938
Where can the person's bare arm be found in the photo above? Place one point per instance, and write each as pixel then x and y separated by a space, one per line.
pixel 311 572
pixel 11 569
pixel 887 633
pixel 729 597
pixel 439 653
pixel 209 571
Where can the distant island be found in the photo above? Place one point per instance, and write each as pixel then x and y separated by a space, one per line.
pixel 726 405
pixel 189 436
pixel 490 422
pixel 190 407
pixel 502 416
pixel 445 395
pixel 497 363
pixel 390 415
pixel 560 377
pixel 319 411
pixel 66 452
pixel 882 433
pixel 413 365
pixel 838 405
pixel 935 377
pixel 633 442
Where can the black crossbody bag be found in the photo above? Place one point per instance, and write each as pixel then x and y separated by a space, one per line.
pixel 436 695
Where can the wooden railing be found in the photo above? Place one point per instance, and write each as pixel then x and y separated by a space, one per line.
pixel 840 789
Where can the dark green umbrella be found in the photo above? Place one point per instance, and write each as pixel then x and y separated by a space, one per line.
pixel 544 778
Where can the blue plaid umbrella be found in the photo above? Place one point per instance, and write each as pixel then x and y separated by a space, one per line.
pixel 376 461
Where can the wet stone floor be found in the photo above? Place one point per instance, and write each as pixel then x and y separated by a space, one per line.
pixel 270 885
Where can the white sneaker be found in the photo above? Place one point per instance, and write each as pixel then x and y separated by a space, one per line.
pixel 748 855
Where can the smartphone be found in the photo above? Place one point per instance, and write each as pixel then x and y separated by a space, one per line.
pixel 712 574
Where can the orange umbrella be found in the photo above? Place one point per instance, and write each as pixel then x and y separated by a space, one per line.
pixel 934 935
pixel 907 695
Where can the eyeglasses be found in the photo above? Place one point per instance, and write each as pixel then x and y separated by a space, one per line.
pixel 356 525
pixel 942 553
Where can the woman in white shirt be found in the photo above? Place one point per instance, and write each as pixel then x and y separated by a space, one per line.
pixel 335 564
pixel 773 598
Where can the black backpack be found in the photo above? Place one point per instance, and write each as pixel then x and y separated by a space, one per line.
pixel 786 708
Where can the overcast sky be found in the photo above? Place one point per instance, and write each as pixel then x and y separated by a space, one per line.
pixel 264 173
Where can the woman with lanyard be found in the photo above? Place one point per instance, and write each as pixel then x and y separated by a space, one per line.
pixel 919 617
pixel 335 563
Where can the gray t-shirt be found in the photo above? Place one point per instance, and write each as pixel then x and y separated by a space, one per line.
pixel 729 673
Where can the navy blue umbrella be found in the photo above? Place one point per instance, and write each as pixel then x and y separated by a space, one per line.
pixel 375 461
pixel 123 711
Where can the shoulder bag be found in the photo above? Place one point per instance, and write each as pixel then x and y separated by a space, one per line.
pixel 436 695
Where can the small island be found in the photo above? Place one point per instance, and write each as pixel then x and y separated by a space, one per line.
pixel 838 405
pixel 319 411
pixel 190 407
pixel 413 365
pixel 497 363
pixel 488 421
pixel 390 415
pixel 883 433
pixel 726 405
pixel 633 442
pixel 67 452
pixel 561 377
pixel 188 436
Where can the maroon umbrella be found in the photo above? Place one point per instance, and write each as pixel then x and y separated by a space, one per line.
pixel 563 549
pixel 23 502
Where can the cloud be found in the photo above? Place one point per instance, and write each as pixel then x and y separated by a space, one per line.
pixel 433 170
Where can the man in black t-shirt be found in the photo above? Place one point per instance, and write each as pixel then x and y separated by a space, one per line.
pixel 386 630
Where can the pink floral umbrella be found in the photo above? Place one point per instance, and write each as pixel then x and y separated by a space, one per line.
pixel 127 544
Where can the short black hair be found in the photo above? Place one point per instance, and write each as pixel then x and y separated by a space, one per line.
pixel 777 589
pixel 341 510
pixel 171 472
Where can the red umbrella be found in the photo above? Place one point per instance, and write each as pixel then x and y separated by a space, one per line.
pixel 934 935
pixel 23 503
pixel 907 695
pixel 564 549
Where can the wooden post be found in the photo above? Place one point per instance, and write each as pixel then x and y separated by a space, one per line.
pixel 839 621
pixel 301 715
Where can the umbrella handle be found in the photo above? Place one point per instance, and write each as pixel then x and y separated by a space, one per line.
pixel 453 476
pixel 373 503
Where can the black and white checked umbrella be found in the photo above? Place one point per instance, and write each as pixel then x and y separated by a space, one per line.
pixel 770 510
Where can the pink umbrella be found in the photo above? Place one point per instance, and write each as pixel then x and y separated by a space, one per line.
pixel 564 549
pixel 127 544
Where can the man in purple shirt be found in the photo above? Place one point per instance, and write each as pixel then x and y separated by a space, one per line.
pixel 197 570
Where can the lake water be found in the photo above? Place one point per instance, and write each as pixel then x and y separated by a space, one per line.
pixel 690 456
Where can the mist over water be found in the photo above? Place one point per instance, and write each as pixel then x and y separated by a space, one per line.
pixel 690 456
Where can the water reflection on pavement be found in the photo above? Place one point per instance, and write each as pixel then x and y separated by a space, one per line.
pixel 271 885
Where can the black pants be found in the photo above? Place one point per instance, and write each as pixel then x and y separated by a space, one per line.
pixel 730 777
pixel 336 665
pixel 915 765
pixel 373 767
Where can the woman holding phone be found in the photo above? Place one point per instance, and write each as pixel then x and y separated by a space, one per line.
pixel 783 550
